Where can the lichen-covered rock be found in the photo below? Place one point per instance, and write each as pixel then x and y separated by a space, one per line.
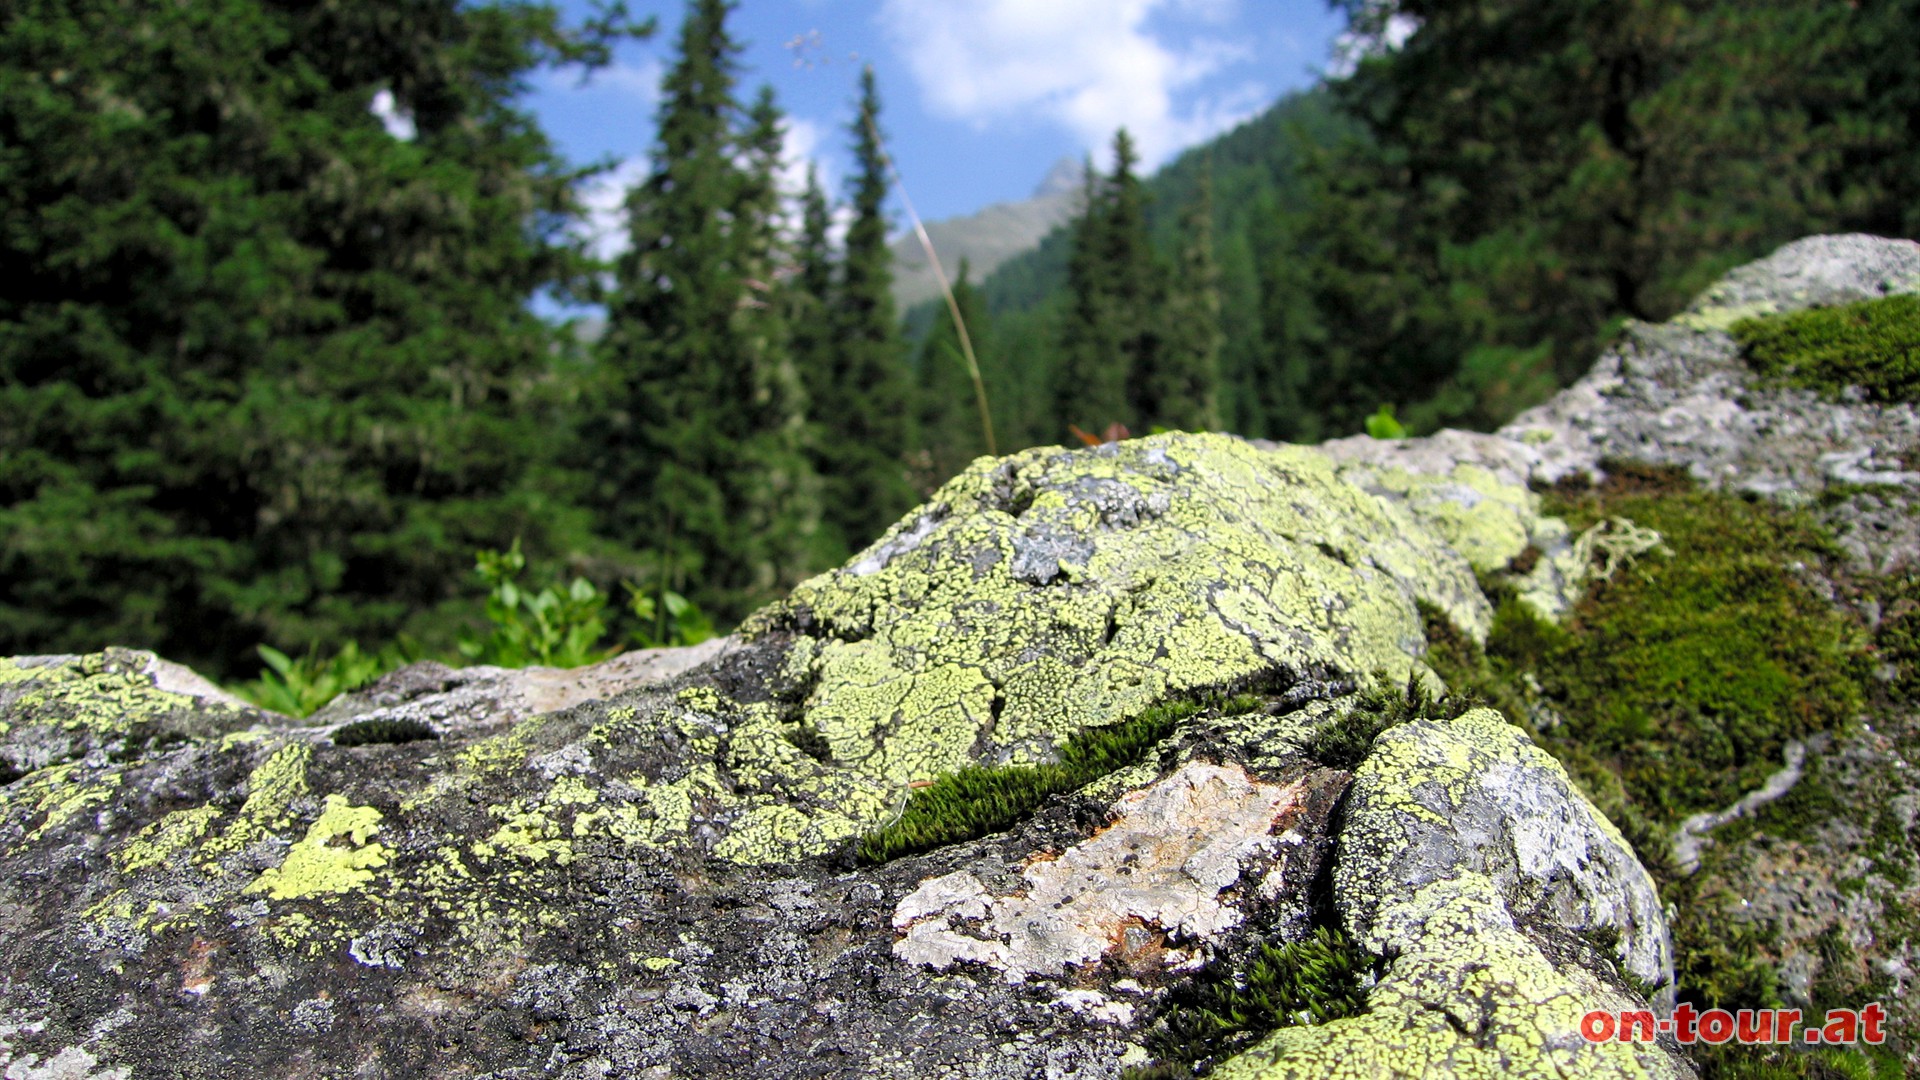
pixel 1679 394
pixel 656 882
pixel 1467 857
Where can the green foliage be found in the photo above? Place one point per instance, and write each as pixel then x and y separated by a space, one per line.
pixel 978 800
pixel 1382 425
pixel 270 372
pixel 1873 345
pixel 700 454
pixel 865 416
pixel 378 731
pixel 298 687
pixel 1322 977
pixel 666 619
pixel 1344 741
pixel 555 627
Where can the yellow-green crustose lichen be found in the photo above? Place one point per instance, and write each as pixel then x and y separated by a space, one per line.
pixel 1033 597
pixel 105 693
pixel 1467 993
pixel 1049 591
pixel 317 865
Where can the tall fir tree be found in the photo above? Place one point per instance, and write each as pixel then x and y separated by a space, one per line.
pixel 702 464
pixel 1183 388
pixel 864 413
pixel 949 428
pixel 1090 382
pixel 810 297
pixel 266 369
pixel 1113 336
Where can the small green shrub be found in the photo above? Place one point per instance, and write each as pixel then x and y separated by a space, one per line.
pixel 1324 976
pixel 979 800
pixel 666 619
pixel 1873 345
pixel 298 687
pixel 554 627
pixel 1383 425
pixel 370 732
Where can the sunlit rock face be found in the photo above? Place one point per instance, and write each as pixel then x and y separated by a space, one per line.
pixel 646 869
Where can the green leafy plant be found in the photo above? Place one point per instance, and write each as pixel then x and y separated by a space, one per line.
pixel 979 800
pixel 1873 345
pixel 297 687
pixel 555 627
pixel 375 731
pixel 666 618
pixel 1383 425
pixel 1323 976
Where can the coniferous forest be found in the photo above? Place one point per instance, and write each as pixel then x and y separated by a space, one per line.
pixel 268 375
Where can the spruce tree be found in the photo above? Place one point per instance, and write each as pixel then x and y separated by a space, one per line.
pixel 267 372
pixel 810 297
pixel 1113 337
pixel 1183 389
pixel 1090 381
pixel 864 415
pixel 702 465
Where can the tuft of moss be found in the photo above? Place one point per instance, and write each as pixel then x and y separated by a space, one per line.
pixel 1873 345
pixel 979 800
pixel 1897 639
pixel 1345 740
pixel 371 732
pixel 1323 976
pixel 1685 677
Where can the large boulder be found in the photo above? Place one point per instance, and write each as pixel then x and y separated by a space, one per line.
pixel 656 878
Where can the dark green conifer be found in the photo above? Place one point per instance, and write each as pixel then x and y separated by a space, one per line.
pixel 1113 337
pixel 267 371
pixel 1182 390
pixel 864 415
pixel 702 464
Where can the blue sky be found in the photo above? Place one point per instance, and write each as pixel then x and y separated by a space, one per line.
pixel 979 97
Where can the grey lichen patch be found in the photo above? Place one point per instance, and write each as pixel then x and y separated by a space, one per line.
pixel 1161 868
pixel 1468 859
pixel 1055 590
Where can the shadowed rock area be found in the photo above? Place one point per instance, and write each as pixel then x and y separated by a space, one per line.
pixel 647 869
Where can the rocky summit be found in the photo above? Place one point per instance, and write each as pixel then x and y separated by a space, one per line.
pixel 1082 757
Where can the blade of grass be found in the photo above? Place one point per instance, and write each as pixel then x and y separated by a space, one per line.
pixel 946 289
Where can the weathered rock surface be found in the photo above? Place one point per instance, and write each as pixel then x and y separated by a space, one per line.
pixel 657 882
pixel 644 869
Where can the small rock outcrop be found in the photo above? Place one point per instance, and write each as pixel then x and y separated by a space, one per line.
pixel 650 869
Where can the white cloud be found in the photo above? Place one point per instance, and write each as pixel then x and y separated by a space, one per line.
pixel 641 80
pixel 603 202
pixel 1376 30
pixel 1090 65
pixel 397 121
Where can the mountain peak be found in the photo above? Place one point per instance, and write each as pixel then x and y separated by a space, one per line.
pixel 1064 178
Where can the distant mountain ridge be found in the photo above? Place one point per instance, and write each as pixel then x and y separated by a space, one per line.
pixel 987 238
